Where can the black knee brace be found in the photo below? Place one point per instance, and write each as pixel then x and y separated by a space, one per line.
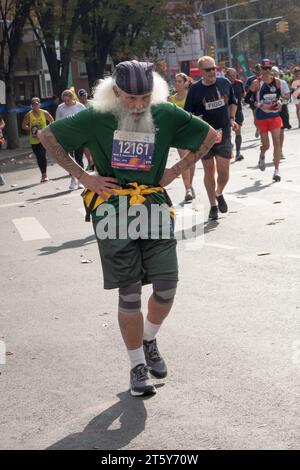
pixel 130 299
pixel 164 291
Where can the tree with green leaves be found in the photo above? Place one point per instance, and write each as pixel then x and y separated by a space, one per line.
pixel 261 40
pixel 129 28
pixel 55 24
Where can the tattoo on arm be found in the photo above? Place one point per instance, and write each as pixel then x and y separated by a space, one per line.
pixel 192 157
pixel 59 154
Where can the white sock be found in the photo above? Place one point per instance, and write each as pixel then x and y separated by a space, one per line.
pixel 136 356
pixel 150 330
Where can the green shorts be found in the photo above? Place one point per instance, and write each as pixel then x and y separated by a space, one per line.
pixel 126 260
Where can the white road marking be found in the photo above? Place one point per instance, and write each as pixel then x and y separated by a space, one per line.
pixel 30 229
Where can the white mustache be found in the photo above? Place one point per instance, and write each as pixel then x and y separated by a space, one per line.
pixel 138 111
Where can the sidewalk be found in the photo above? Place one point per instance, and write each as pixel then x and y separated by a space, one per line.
pixel 22 151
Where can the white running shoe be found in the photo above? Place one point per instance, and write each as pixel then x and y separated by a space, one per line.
pixel 73 184
pixel 276 176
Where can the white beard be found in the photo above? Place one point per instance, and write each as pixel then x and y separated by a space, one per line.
pixel 128 122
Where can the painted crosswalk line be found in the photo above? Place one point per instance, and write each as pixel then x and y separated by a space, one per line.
pixel 29 229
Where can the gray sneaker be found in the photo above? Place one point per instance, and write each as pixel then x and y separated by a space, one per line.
pixel 188 195
pixel 262 163
pixel 155 362
pixel 140 382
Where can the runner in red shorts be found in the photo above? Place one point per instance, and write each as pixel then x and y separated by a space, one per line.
pixel 267 92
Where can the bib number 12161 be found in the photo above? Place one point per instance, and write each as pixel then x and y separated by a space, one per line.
pixel 132 151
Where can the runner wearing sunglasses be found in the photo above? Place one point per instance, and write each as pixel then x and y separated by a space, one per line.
pixel 213 99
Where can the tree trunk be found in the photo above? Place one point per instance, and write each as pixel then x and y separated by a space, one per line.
pixel 59 84
pixel 13 141
pixel 105 41
pixel 91 68
pixel 103 53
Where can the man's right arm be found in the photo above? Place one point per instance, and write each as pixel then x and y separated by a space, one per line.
pixel 95 183
pixel 50 143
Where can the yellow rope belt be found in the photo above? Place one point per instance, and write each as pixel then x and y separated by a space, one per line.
pixel 92 200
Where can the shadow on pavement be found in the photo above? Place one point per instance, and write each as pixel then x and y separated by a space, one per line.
pixel 33 185
pixel 51 250
pixel 196 231
pixel 20 188
pixel 268 165
pixel 252 146
pixel 131 415
pixel 49 196
pixel 257 186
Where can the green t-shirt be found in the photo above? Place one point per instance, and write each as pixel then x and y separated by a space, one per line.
pixel 174 128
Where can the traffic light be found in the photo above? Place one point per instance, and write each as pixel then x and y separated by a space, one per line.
pixel 282 27
pixel 211 51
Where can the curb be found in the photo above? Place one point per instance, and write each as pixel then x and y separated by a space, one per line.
pixel 6 159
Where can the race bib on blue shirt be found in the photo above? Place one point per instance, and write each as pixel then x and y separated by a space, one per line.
pixel 210 105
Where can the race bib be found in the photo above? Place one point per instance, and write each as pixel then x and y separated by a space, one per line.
pixel 209 105
pixel 132 151
pixel 270 98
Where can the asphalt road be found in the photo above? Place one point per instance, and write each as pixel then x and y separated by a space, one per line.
pixel 232 341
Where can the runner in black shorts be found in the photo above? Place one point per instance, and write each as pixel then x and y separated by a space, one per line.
pixel 213 100
pixel 239 92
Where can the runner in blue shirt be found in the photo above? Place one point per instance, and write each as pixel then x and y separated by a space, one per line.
pixel 214 101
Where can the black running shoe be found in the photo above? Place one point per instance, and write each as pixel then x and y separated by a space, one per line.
pixel 213 213
pixel 222 203
pixel 239 158
pixel 155 362
pixel 140 382
pixel 188 195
